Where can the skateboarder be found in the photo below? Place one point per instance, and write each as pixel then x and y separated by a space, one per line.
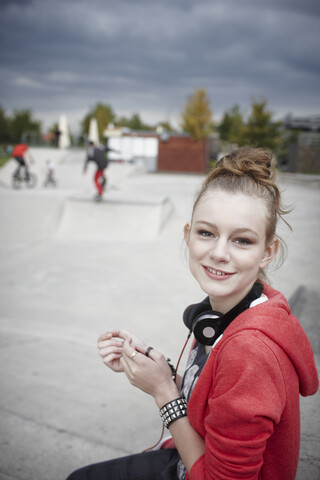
pixel 97 154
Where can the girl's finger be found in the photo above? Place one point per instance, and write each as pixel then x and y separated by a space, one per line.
pixel 110 343
pixel 104 336
pixel 111 357
pixel 129 354
pixel 104 352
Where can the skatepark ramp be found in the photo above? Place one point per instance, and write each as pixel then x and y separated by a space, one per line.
pixel 113 220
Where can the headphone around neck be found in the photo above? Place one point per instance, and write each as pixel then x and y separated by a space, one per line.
pixel 207 325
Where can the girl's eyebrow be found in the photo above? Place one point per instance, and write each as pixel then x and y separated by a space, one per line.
pixel 212 225
pixel 240 230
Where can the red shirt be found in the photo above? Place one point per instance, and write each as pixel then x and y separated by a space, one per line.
pixel 19 150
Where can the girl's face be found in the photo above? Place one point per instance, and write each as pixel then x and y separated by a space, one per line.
pixel 227 246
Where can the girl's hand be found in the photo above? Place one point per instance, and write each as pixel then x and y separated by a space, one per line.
pixel 110 346
pixel 151 374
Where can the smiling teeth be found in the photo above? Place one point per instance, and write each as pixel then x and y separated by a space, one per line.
pixel 215 272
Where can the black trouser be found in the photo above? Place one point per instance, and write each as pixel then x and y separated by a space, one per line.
pixel 21 163
pixel 155 465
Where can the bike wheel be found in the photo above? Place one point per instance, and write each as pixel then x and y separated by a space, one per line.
pixel 16 182
pixel 32 180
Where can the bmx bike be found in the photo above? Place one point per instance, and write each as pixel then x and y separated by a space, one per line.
pixel 28 178
pixel 50 180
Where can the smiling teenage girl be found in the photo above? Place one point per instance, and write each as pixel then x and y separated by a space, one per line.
pixel 235 412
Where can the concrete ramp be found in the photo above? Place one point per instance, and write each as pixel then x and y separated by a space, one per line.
pixel 113 220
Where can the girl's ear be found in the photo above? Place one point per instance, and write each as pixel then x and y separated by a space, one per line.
pixel 270 252
pixel 187 229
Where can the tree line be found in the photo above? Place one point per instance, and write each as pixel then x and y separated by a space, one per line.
pixel 12 128
pixel 257 128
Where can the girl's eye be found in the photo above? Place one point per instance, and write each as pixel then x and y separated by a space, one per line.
pixel 205 233
pixel 243 241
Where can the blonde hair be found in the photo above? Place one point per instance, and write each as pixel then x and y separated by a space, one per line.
pixel 251 171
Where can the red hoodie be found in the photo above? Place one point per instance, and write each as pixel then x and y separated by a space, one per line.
pixel 245 403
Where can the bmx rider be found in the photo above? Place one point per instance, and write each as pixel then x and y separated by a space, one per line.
pixel 18 154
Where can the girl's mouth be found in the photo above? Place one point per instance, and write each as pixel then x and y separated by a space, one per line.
pixel 217 273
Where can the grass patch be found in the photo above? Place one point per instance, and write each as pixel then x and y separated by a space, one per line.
pixel 4 159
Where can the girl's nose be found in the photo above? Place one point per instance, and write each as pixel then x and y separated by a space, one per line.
pixel 220 251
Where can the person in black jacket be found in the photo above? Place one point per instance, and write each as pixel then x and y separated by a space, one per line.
pixel 97 154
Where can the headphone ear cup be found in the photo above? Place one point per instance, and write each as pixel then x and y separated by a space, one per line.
pixel 202 322
pixel 192 311
pixel 189 313
pixel 205 327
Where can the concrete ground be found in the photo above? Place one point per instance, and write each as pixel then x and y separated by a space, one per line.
pixel 72 269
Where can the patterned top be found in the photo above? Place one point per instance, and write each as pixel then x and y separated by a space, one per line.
pixel 196 362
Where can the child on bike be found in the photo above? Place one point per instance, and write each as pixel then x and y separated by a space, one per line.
pixel 50 173
pixel 18 154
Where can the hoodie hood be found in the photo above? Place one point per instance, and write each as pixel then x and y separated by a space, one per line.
pixel 274 319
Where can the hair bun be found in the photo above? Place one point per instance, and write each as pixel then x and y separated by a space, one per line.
pixel 257 163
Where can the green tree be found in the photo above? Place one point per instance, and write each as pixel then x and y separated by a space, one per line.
pixel 231 126
pixel 22 123
pixel 197 115
pixel 260 131
pixel 166 126
pixel 134 122
pixel 5 136
pixel 104 115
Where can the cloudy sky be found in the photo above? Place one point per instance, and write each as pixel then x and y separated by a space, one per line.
pixel 148 56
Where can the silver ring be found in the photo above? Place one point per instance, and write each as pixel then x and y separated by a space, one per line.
pixel 134 354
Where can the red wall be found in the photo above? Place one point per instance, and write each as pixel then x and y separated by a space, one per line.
pixel 182 154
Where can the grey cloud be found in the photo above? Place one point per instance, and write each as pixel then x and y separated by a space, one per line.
pixel 149 55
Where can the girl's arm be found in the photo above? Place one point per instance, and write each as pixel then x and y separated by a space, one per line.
pixel 153 375
pixel 178 381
